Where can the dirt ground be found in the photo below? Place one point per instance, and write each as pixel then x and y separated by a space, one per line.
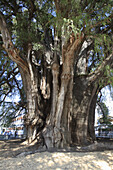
pixel 13 157
pixel 13 147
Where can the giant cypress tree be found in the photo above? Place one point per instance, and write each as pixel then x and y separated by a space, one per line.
pixel 63 49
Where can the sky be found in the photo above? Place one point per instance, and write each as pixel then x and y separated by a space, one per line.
pixel 108 101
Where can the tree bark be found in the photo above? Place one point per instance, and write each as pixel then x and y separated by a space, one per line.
pixel 91 119
pixel 84 96
pixel 58 130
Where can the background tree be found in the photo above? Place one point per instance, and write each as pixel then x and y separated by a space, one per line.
pixel 62 49
pixel 102 108
pixel 10 87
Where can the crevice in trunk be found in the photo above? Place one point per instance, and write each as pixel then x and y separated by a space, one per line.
pixel 91 118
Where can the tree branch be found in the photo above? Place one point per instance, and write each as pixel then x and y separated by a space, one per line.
pixel 99 23
pixel 8 75
pixel 92 77
pixel 61 8
pixel 72 44
pixel 20 90
pixel 6 94
pixel 13 52
pixel 102 109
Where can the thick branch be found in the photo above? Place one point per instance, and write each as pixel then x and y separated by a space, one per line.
pixel 99 71
pixel 32 9
pixel 13 52
pixel 61 8
pixel 72 44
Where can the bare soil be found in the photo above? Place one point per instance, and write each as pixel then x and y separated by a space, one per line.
pixel 13 157
pixel 14 147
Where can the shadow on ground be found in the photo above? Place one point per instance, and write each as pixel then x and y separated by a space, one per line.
pixel 10 149
pixel 13 147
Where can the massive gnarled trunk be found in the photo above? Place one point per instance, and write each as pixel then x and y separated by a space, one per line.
pixel 57 133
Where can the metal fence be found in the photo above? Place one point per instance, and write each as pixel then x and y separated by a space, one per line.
pixel 105 134
pixel 6 137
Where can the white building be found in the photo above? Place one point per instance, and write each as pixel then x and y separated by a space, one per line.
pixel 17 126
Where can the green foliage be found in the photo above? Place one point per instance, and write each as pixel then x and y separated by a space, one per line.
pixel 104 112
pixel 69 27
pixel 24 32
pixel 37 46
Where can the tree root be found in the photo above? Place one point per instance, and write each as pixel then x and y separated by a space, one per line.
pixel 90 148
pixel 96 147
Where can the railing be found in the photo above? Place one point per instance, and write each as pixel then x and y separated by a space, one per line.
pixel 106 134
pixel 4 137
